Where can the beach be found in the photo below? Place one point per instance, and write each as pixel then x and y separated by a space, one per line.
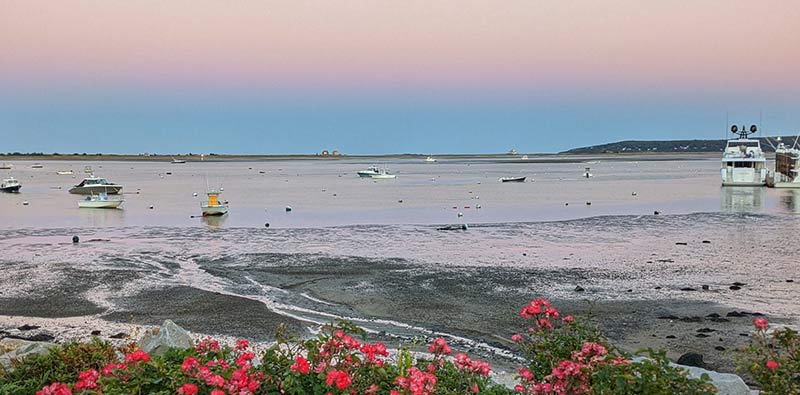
pixel 372 252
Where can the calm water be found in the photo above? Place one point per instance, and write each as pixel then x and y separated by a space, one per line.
pixel 326 194
pixel 613 245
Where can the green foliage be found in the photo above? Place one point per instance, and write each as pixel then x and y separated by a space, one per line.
pixel 779 350
pixel 652 375
pixel 61 364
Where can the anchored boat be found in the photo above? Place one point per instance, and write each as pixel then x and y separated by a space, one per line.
pixel 10 185
pixel 743 161
pixel 513 179
pixel 369 172
pixel 100 200
pixel 213 206
pixel 95 185
pixel 787 166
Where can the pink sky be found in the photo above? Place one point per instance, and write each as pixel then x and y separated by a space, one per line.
pixel 627 45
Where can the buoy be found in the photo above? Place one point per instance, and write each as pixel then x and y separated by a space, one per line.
pixel 288 208
pixel 634 193
pixel 266 225
pixel 75 239
pixel 151 207
pixel 460 214
pixel 400 201
pixel 656 212
pixel 588 203
pixel 25 203
pixel 478 206
pixel 221 189
pixel 194 194
pixel 566 204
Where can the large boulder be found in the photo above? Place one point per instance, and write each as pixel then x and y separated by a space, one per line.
pixel 726 383
pixel 17 349
pixel 158 340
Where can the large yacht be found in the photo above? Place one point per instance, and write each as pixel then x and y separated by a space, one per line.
pixel 787 166
pixel 95 185
pixel 743 161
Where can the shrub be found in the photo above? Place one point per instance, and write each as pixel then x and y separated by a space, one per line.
pixel 773 359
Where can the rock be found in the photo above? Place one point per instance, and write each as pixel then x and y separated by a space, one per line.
pixel 158 340
pixel 692 359
pixel 16 349
pixel 120 335
pixel 39 337
pixel 668 317
pixel 706 330
pixel 713 315
pixel 579 289
pixel 671 337
pixel 719 348
pixel 688 289
pixel 726 383
pixel 701 335
pixel 692 319
pixel 681 243
pixel 705 287
pixel 656 212
pixel 736 314
pixel 789 281
pixel 27 327
pixel 738 284
pixel 706 242
pixel 734 287
pixel 95 333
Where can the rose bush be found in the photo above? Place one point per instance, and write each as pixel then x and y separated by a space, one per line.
pixel 773 359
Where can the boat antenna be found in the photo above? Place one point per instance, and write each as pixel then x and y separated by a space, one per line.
pixel 795 141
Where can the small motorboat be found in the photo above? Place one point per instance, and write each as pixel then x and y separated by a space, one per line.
pixel 99 201
pixel 6 166
pixel 37 166
pixel 213 206
pixel 383 174
pixel 513 179
pixel 65 172
pixel 10 185
pixel 587 174
pixel 369 172
pixel 430 159
pixel 174 161
pixel 92 185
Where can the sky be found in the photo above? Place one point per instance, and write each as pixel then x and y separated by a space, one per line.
pixel 388 76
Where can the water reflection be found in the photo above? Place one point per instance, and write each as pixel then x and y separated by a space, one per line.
pixel 743 199
pixel 790 201
pixel 215 221
pixel 100 217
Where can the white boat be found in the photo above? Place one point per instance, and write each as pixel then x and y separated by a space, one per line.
pixel 430 159
pixel 6 166
pixel 95 185
pixel 787 166
pixel 100 200
pixel 10 185
pixel 369 172
pixel 65 173
pixel 743 161
pixel 37 166
pixel 178 161
pixel 383 174
pixel 523 157
pixel 213 206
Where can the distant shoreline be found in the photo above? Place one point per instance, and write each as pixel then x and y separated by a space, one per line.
pixel 514 158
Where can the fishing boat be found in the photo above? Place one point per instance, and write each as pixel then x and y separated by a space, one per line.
pixel 100 200
pixel 10 185
pixel 213 206
pixel 430 159
pixel 95 185
pixel 743 161
pixel 513 179
pixel 6 166
pixel 383 174
pixel 174 161
pixel 369 172
pixel 787 166
pixel 65 172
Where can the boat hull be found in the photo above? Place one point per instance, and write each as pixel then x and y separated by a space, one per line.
pixel 96 189
pixel 11 189
pixel 515 179
pixel 383 177
pixel 787 185
pixel 210 211
pixel 366 174
pixel 100 204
